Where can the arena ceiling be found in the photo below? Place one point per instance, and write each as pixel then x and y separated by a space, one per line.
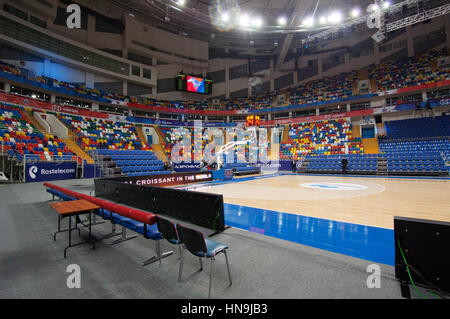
pixel 261 33
pixel 201 19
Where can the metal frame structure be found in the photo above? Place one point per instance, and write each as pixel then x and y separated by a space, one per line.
pixel 420 17
pixel 384 28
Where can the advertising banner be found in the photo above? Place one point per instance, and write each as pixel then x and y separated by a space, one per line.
pixel 274 165
pixel 46 171
pixel 315 118
pixel 223 174
pixel 163 122
pixel 186 167
pixel 41 105
pixel 167 179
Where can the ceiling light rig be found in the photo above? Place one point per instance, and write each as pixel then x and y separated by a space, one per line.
pixel 228 15
pixel 356 12
pixel 282 21
pixel 375 13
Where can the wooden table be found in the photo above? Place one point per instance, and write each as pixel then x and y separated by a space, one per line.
pixel 74 208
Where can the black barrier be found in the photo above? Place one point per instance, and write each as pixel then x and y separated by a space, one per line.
pixel 197 208
pixel 167 179
pixel 422 254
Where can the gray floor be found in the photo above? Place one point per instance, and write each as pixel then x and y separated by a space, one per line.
pixel 32 264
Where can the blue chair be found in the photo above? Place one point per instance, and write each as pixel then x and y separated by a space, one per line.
pixel 194 241
pixel 168 231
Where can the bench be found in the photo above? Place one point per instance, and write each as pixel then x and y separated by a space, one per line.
pixel 128 218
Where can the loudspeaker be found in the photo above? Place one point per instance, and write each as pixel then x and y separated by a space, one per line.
pixel 378 37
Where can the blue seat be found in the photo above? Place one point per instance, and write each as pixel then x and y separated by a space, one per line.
pixel 194 241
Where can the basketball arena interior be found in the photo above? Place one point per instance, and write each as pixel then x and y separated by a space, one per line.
pixel 233 149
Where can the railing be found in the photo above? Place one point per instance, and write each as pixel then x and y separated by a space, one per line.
pixel 3 178
pixel 100 164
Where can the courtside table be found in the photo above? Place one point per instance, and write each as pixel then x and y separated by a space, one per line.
pixel 70 209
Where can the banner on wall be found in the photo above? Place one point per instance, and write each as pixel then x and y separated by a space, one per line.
pixel 274 165
pixel 411 106
pixel 117 102
pixel 117 118
pixel 45 171
pixel 41 105
pixel 162 122
pixel 186 167
pixel 316 118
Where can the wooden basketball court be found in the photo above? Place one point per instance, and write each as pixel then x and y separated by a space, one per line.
pixel 358 200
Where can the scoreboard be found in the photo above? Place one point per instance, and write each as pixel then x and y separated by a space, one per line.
pixel 253 120
pixel 187 83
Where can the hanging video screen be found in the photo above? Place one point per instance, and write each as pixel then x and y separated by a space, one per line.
pixel 193 84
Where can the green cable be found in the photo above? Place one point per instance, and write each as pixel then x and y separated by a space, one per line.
pixel 409 274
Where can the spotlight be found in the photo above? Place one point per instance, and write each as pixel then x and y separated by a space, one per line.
pixel 335 18
pixel 356 12
pixel 323 20
pixel 282 21
pixel 373 7
pixel 386 4
pixel 181 2
pixel 244 20
pixel 257 22
pixel 309 22
pixel 225 17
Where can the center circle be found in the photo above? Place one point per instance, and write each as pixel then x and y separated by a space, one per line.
pixel 334 186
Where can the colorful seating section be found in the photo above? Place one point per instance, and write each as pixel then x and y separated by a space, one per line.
pixel 260 102
pixel 321 138
pixel 420 127
pixel 136 163
pixel 8 68
pixel 407 72
pixel 194 105
pixel 21 138
pixel 415 146
pixel 80 89
pixel 357 163
pixel 324 90
pixel 399 73
pixel 173 136
pixel 94 133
